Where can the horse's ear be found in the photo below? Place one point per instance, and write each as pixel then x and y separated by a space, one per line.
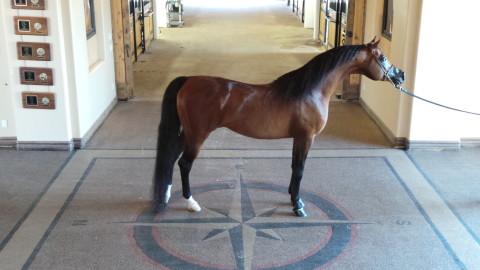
pixel 373 40
pixel 376 43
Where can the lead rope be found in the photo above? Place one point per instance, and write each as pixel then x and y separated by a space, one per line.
pixel 386 71
pixel 426 100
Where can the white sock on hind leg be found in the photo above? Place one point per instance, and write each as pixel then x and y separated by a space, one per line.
pixel 167 193
pixel 192 205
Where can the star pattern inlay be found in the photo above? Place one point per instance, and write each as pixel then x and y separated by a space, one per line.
pixel 242 224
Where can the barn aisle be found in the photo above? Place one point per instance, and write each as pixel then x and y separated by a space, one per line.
pixel 369 206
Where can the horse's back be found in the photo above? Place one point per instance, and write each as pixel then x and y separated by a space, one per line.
pixel 249 109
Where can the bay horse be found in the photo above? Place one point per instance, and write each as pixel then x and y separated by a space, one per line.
pixel 293 106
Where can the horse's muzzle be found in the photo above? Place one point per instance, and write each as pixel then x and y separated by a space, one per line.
pixel 396 75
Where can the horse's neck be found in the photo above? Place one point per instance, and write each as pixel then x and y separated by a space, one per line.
pixel 332 80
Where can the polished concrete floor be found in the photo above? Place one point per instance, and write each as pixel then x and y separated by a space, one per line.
pixel 369 206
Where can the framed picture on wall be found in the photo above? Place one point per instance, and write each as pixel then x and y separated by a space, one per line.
pixel 28 4
pixel 31 25
pixel 387 23
pixel 20 3
pixel 89 18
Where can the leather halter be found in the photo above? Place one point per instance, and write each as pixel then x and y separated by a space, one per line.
pixel 384 65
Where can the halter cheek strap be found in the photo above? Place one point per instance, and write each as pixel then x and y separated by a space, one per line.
pixel 385 74
pixel 383 67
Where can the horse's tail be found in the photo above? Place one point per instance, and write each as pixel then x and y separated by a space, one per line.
pixel 170 143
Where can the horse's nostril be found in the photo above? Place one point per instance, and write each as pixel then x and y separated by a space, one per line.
pixel 400 74
pixel 397 75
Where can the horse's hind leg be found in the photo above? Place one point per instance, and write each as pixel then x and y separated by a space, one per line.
pixel 185 163
pixel 176 154
pixel 300 152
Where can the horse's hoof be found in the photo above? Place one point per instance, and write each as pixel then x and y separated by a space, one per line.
pixel 298 204
pixel 194 208
pixel 300 212
pixel 298 208
pixel 158 207
pixel 193 205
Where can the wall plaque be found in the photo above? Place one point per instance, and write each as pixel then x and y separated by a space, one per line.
pixel 36 76
pixel 33 51
pixel 38 100
pixel 28 4
pixel 31 26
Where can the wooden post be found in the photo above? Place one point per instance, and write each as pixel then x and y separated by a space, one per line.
pixel 122 49
pixel 355 33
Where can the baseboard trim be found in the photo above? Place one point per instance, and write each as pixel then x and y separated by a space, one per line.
pixel 433 145
pixel 12 142
pixel 397 142
pixel 8 142
pixel 81 142
pixel 470 142
pixel 404 143
pixel 44 146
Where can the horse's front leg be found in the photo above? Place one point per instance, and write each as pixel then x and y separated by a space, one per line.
pixel 300 152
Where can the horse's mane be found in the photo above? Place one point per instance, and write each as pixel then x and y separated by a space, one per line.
pixel 299 83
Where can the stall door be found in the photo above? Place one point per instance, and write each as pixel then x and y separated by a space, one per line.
pixel 333 22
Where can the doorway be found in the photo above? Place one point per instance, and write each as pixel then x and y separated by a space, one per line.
pixel 133 32
pixel 333 22
pixel 141 26
pixel 341 22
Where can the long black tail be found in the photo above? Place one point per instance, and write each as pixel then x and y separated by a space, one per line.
pixel 170 142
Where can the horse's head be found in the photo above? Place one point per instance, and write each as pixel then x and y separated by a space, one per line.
pixel 377 67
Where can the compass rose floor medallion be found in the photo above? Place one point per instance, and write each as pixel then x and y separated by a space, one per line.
pixel 244 229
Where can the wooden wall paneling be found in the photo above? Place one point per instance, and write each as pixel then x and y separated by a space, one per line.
pixel 123 46
pixel 355 36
